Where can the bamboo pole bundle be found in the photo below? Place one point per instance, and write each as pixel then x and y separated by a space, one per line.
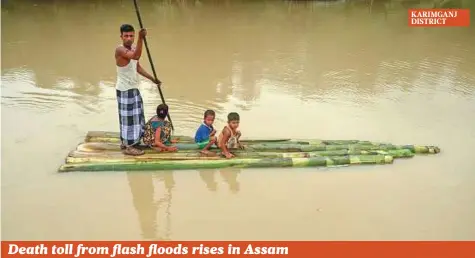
pixel 101 152
pixel 320 161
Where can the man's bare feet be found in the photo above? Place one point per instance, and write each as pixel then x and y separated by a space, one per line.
pixel 133 151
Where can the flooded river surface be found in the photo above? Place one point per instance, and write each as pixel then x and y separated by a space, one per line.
pixel 337 71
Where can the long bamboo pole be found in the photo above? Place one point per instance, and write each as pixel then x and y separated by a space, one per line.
pixel 151 61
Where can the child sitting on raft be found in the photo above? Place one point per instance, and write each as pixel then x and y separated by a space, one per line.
pixel 229 136
pixel 157 134
pixel 205 135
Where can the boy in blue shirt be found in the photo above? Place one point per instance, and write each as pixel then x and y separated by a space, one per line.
pixel 205 135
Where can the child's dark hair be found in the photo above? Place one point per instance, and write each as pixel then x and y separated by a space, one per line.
pixel 162 111
pixel 209 112
pixel 233 116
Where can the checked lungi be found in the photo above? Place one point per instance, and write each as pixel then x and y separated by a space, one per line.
pixel 131 116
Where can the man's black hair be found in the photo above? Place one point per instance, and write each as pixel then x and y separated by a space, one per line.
pixel 233 116
pixel 126 28
pixel 209 112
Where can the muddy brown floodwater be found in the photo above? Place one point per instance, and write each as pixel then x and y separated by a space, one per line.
pixel 333 71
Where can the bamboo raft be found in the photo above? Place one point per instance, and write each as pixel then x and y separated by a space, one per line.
pixel 101 151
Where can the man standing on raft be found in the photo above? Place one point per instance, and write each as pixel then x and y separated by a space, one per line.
pixel 130 103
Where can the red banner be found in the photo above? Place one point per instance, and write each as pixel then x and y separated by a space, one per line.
pixel 290 249
pixel 438 17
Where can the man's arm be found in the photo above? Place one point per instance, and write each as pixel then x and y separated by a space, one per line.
pixel 144 73
pixel 130 53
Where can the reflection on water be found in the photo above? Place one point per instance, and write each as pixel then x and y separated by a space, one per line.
pixel 340 70
pixel 228 175
pixel 208 177
pixel 144 197
pixel 152 196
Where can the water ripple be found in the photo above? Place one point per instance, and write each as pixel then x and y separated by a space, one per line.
pixel 19 90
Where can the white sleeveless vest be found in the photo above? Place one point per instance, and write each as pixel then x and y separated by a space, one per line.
pixel 127 76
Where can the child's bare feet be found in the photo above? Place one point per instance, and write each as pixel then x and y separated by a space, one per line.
pixel 167 149
pixel 228 155
pixel 205 152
